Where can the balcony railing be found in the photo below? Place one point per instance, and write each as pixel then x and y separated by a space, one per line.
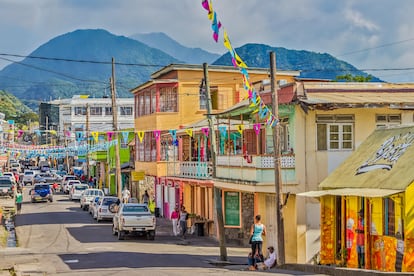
pixel 196 170
pixel 258 162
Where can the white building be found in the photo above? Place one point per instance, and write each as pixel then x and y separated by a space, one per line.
pixel 73 117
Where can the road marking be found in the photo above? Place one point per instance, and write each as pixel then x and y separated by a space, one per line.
pixel 71 261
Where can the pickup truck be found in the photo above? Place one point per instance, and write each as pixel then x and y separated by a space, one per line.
pixel 133 218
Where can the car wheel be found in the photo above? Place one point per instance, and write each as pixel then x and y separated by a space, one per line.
pixel 51 199
pixel 120 235
pixel 114 232
pixel 151 235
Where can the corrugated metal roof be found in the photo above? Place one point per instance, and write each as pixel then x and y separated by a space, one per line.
pixel 365 192
pixel 382 161
pixel 361 97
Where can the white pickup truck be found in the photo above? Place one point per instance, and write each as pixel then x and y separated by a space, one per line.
pixel 133 218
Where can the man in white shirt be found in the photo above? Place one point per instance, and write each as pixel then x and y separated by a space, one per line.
pixel 125 195
pixel 271 259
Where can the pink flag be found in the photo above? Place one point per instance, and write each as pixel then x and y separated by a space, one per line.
pixel 256 128
pixel 205 131
pixel 205 5
pixel 109 134
pixel 157 134
pixel 19 133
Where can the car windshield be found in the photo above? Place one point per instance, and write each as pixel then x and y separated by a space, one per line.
pixel 28 173
pixel 81 187
pixel 109 201
pixel 40 187
pixel 5 182
pixel 134 209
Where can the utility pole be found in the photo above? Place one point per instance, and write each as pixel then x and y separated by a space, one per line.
pixel 47 130
pixel 217 191
pixel 276 157
pixel 115 125
pixel 87 142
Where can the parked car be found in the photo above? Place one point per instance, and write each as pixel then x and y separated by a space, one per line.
pixel 93 205
pixel 28 177
pixel 102 212
pixel 46 178
pixel 68 186
pixel 7 186
pixel 77 190
pixel 133 218
pixel 11 175
pixel 41 192
pixel 87 197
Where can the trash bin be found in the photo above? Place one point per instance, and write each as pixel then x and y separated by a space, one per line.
pixel 200 228
pixel 157 212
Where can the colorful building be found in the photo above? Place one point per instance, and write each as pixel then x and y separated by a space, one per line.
pixel 376 180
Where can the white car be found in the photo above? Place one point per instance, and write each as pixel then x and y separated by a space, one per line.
pixel 68 185
pixel 11 175
pixel 28 177
pixel 93 204
pixel 88 196
pixel 77 190
pixel 65 180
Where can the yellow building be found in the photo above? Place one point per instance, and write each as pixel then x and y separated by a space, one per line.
pixel 172 99
pixel 376 180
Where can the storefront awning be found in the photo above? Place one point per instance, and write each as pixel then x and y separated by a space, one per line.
pixel 362 192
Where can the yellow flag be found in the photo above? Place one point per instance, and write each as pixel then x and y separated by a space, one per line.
pixel 226 41
pixel 189 131
pixel 240 128
pixel 53 132
pixel 140 135
pixel 239 61
pixel 95 136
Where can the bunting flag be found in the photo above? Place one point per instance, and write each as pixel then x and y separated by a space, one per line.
pixel 37 132
pixel 157 134
pixel 223 131
pixel 19 133
pixel 237 62
pixel 109 135
pixel 205 131
pixel 140 135
pixel 189 131
pixel 67 133
pixel 240 128
pixel 53 132
pixel 173 133
pixel 125 135
pixel 256 128
pixel 79 135
pixel 95 136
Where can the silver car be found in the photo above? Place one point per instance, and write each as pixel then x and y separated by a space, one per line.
pixel 103 210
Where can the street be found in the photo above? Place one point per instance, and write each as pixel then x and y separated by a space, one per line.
pixel 59 238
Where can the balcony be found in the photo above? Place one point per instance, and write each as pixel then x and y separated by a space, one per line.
pixel 194 170
pixel 255 168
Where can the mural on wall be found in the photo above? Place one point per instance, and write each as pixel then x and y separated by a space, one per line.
pixel 327 232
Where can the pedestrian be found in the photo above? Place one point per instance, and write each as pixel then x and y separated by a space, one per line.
pixel 145 197
pixel 271 258
pixel 257 231
pixel 183 221
pixel 174 218
pixel 19 200
pixel 90 182
pixel 125 195
pixel 361 239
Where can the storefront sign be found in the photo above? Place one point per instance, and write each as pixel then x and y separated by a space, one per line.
pixel 137 176
pixel 232 208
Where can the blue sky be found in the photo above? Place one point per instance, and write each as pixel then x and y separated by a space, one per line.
pixel 369 34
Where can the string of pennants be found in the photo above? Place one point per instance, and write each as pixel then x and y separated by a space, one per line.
pixel 255 100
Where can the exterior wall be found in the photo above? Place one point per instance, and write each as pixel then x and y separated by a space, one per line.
pixel 408 262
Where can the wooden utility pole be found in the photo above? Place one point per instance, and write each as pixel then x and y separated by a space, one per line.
pixel 115 127
pixel 87 142
pixel 217 191
pixel 276 158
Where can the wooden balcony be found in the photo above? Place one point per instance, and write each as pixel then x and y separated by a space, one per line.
pixel 190 169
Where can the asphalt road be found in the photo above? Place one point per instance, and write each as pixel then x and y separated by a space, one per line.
pixel 58 238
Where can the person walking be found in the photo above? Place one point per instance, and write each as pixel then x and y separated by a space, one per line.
pixel 125 195
pixel 174 218
pixel 145 197
pixel 183 221
pixel 257 231
pixel 19 200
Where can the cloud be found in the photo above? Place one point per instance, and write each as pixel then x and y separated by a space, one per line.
pixel 357 19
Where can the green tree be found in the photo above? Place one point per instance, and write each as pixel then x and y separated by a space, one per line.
pixel 352 78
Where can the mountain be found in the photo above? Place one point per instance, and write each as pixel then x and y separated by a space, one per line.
pixel 168 45
pixel 79 62
pixel 311 64
pixel 11 106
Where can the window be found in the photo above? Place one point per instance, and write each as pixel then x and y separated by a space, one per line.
pixel 386 120
pixel 147 150
pixel 125 110
pixel 168 99
pixel 108 110
pixel 80 110
pixel 95 110
pixel 284 136
pixel 334 132
pixel 389 219
pixel 169 151
pixel 203 95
